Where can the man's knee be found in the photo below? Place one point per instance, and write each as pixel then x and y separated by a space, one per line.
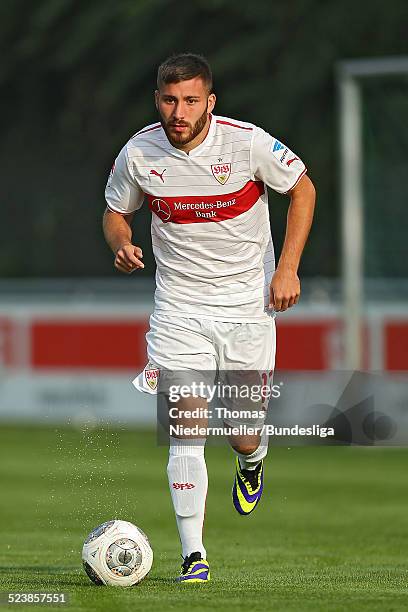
pixel 245 445
pixel 244 448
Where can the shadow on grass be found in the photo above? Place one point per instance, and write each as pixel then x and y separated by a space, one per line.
pixel 160 580
pixel 63 576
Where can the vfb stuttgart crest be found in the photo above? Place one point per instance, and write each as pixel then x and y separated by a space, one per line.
pixel 151 376
pixel 221 172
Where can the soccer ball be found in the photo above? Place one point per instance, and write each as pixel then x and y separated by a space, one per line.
pixel 117 553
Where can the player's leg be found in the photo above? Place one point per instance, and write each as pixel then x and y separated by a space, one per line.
pixel 248 356
pixel 249 471
pixel 188 481
pixel 177 348
pixel 250 450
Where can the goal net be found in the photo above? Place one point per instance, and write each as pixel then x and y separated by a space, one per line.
pixel 374 194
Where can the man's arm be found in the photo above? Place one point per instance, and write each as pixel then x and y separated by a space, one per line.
pixel 285 286
pixel 118 235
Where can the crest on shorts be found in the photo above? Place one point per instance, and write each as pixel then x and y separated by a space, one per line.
pixel 221 172
pixel 151 376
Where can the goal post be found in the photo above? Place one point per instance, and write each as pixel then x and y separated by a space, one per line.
pixel 349 75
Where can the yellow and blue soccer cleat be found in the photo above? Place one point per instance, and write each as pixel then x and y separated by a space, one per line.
pixel 247 489
pixel 194 569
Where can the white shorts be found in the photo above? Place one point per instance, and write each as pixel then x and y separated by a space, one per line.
pixel 183 344
pixel 180 343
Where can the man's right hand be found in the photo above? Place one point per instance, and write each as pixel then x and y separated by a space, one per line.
pixel 128 258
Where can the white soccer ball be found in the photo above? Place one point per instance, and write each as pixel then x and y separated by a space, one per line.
pixel 117 553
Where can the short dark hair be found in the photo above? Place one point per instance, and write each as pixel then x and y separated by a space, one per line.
pixel 183 67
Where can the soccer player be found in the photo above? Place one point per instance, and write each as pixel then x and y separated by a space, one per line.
pixel 205 179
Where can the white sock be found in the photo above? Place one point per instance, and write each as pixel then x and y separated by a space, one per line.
pixel 250 462
pixel 188 483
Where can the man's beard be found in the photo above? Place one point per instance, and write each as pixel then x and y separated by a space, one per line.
pixel 181 139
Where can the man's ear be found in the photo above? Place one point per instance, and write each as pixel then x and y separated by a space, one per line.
pixel 211 102
pixel 156 99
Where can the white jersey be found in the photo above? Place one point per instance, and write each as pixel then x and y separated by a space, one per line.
pixel 210 226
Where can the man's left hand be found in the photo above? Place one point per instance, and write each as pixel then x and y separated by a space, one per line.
pixel 284 290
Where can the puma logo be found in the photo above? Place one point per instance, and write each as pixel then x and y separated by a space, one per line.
pixel 159 174
pixel 291 160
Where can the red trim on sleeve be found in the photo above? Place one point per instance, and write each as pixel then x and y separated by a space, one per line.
pixel 241 127
pixel 297 180
pixel 119 212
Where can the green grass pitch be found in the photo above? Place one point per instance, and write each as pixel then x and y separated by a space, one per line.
pixel 330 533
